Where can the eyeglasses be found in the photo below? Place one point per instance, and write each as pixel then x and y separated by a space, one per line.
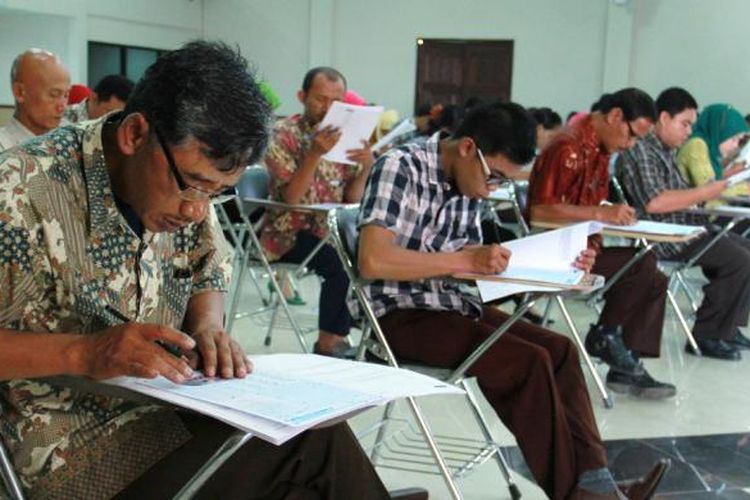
pixel 631 132
pixel 490 176
pixel 186 191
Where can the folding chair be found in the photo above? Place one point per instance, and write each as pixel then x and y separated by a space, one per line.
pixel 253 185
pixel 465 454
pixel 10 479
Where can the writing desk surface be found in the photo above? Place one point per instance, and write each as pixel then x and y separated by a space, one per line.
pixel 624 232
pixel 314 208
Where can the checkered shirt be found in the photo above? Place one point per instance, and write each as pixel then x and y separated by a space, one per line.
pixel 647 170
pixel 408 195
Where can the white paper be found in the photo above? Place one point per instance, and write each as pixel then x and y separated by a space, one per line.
pixel 503 193
pixel 356 124
pixel 660 228
pixel 289 393
pixel 402 128
pixel 547 256
pixel 332 206
pixel 740 176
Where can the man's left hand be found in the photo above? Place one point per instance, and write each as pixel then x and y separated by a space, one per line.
pixel 363 155
pixel 585 260
pixel 218 354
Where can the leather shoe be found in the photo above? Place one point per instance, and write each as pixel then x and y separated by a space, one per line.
pixel 409 494
pixel 739 341
pixel 606 343
pixel 645 487
pixel 640 385
pixel 341 350
pixel 715 348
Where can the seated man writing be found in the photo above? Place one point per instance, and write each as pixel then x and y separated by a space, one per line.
pixel 419 225
pixel 112 219
pixel 651 178
pixel 570 182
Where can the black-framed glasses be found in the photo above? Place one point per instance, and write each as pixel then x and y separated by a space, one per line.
pixel 186 191
pixel 491 176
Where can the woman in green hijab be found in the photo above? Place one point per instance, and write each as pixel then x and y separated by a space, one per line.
pixel 716 137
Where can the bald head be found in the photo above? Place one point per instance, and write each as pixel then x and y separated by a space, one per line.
pixel 40 86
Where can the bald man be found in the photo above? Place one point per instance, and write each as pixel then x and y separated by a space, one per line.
pixel 40 85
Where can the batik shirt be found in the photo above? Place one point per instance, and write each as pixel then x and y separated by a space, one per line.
pixel 13 134
pixel 572 169
pixel 407 194
pixel 66 256
pixel 78 112
pixel 292 138
pixel 647 170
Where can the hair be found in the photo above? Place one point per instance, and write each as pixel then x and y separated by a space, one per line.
pixel 205 91
pixel 675 100
pixel 449 119
pixel 505 128
pixel 546 117
pixel 633 102
pixel 332 74
pixel 114 85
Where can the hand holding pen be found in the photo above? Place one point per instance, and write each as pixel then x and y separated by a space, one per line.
pixel 620 215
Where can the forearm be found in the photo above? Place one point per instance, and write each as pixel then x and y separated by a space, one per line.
pixel 380 258
pixel 205 311
pixel 33 355
pixel 355 188
pixel 563 212
pixel 302 179
pixel 680 199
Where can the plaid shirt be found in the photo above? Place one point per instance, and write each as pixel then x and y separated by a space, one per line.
pixel 407 194
pixel 647 170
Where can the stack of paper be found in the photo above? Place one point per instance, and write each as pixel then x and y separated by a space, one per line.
pixel 648 227
pixel 289 393
pixel 356 124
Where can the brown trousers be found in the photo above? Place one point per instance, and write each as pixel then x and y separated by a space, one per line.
pixel 636 301
pixel 319 464
pixel 531 377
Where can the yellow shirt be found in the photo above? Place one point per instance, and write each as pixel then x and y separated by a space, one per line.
pixel 695 166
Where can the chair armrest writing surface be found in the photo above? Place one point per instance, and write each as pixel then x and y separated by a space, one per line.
pixel 323 208
pixel 588 283
pixel 633 233
pixel 743 201
pixel 737 213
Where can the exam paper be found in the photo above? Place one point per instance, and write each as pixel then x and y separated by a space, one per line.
pixel 402 128
pixel 543 260
pixel 660 228
pixel 356 124
pixel 741 176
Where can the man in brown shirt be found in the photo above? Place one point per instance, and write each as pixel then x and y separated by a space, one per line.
pixel 570 182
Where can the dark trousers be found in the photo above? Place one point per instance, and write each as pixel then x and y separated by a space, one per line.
pixel 333 314
pixel 636 301
pixel 531 377
pixel 319 464
pixel 726 297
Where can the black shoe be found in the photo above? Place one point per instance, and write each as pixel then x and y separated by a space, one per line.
pixel 640 385
pixel 605 342
pixel 645 487
pixel 341 350
pixel 409 494
pixel 715 348
pixel 739 341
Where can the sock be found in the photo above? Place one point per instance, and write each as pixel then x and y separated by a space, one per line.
pixel 597 481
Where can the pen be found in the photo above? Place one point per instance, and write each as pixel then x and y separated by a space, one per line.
pixel 170 348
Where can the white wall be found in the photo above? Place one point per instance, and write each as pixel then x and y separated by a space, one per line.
pixel 696 44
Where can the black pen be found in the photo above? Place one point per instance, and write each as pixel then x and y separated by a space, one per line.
pixel 170 348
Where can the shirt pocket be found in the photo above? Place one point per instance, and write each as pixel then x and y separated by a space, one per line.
pixel 176 292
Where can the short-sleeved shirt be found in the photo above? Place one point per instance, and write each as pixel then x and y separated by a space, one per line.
pixel 78 112
pixel 694 161
pixel 292 138
pixel 67 254
pixel 572 169
pixel 647 170
pixel 14 133
pixel 407 194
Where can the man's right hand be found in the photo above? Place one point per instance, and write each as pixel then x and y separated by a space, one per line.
pixel 487 259
pixel 324 140
pixel 620 215
pixel 131 349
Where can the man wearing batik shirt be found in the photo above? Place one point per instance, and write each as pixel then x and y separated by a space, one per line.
pixel 652 181
pixel 570 182
pixel 300 175
pixel 419 224
pixel 108 244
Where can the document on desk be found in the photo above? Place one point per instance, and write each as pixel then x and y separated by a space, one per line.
pixel 289 393
pixel 540 263
pixel 332 206
pixel 402 128
pixel 742 175
pixel 356 124
pixel 657 228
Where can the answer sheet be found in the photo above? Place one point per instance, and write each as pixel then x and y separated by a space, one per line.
pixel 356 124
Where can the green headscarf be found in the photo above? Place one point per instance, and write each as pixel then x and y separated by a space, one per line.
pixel 716 124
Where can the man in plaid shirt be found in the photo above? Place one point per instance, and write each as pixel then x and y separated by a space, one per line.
pixel 419 223
pixel 652 181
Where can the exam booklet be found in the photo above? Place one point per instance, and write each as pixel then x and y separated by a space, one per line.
pixel 289 393
pixel 356 124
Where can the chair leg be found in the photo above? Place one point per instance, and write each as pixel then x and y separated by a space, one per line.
pixel 381 435
pixel 231 445
pixel 685 328
pixel 606 398
pixel 692 299
pixel 515 492
pixel 547 312
pixel 271 324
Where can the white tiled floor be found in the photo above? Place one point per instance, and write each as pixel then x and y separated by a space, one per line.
pixel 712 397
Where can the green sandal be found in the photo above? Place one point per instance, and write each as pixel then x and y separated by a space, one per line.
pixel 294 300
